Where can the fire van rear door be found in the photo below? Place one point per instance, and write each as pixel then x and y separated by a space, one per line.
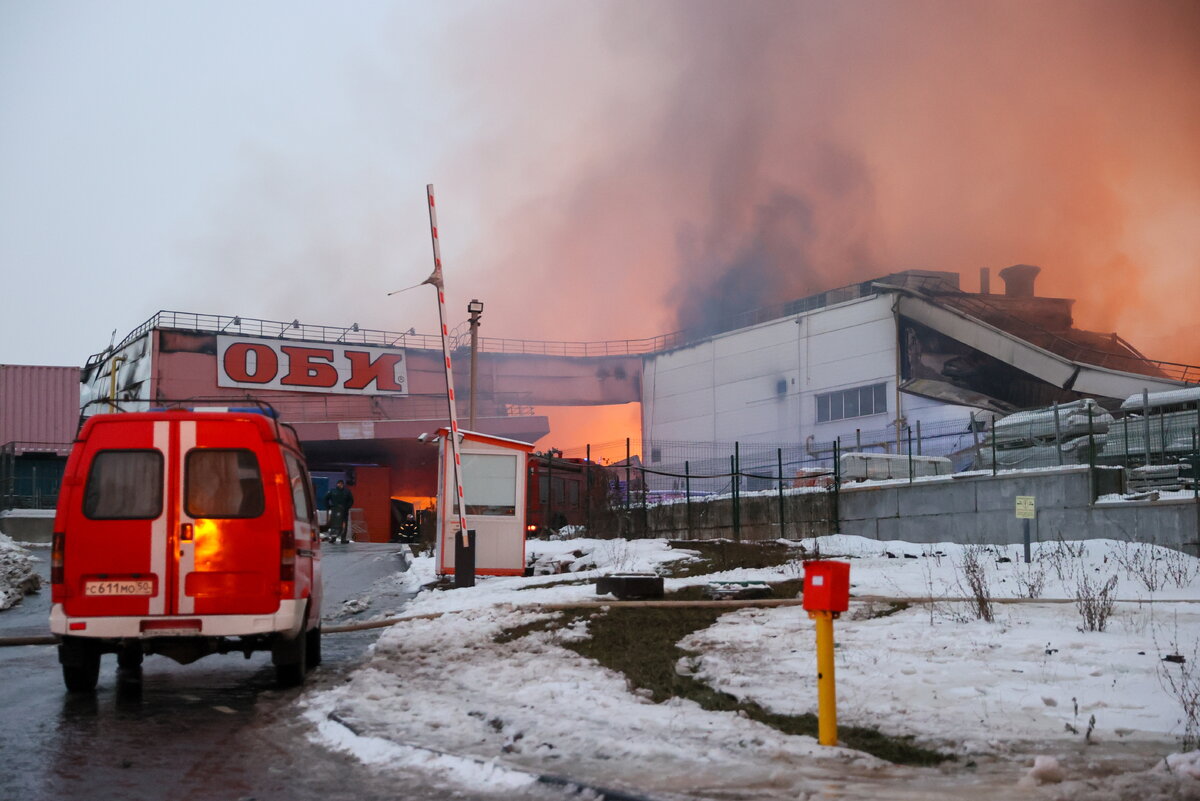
pixel 117 529
pixel 229 532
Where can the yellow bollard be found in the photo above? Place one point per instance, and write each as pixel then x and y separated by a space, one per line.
pixel 826 595
pixel 826 689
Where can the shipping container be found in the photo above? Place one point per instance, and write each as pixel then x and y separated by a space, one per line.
pixel 39 406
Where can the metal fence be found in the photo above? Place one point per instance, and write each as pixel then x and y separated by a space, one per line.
pixel 709 467
pixel 1158 449
pixel 739 490
pixel 30 474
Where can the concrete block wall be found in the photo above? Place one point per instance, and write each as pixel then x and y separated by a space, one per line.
pixel 27 525
pixel 809 514
pixel 968 508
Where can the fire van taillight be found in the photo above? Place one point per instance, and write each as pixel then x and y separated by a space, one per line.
pixel 56 558
pixel 58 587
pixel 287 559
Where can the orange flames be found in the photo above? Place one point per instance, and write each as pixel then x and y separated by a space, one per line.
pixel 605 428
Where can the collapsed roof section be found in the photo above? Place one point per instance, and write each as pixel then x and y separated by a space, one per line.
pixel 1013 351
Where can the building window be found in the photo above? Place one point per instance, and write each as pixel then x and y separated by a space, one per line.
pixel 857 402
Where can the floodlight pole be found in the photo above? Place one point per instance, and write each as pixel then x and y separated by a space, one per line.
pixel 474 310
pixel 437 281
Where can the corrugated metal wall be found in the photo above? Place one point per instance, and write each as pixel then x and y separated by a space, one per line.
pixel 38 404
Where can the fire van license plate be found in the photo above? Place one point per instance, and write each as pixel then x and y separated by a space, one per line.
pixel 119 587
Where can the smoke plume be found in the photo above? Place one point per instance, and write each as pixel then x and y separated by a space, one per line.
pixel 665 164
pixel 623 169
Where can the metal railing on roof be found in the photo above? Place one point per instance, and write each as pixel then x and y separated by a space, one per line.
pixel 929 286
pixel 274 329
pixel 251 326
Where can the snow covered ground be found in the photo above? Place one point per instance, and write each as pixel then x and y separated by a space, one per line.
pixel 1030 704
pixel 18 577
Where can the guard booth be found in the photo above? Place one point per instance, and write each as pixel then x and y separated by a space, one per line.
pixel 493 476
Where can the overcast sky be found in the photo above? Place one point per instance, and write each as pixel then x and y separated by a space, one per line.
pixel 604 169
pixel 144 143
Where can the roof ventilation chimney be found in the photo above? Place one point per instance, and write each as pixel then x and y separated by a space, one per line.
pixel 1018 280
pixel 985 281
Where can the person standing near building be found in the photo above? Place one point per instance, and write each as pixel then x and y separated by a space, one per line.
pixel 338 501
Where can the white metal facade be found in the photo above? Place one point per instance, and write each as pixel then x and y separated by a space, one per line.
pixel 760 384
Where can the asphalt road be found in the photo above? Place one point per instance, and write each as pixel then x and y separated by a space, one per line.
pixel 215 729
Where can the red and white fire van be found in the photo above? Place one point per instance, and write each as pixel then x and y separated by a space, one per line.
pixel 185 533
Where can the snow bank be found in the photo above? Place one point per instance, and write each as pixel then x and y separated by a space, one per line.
pixel 1182 764
pixel 1001 691
pixel 1176 777
pixel 18 577
pixel 968 685
pixel 541 708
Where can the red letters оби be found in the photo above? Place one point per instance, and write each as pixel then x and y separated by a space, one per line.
pixel 304 369
pixel 382 371
pixel 238 355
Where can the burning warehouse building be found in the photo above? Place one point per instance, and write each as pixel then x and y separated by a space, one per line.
pixel 874 357
pixel 905 347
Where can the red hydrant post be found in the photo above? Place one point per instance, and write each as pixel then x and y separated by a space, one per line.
pixel 826 595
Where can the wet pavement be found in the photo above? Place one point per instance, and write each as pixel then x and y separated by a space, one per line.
pixel 214 729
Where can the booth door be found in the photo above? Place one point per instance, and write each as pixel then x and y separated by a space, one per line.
pixel 494 488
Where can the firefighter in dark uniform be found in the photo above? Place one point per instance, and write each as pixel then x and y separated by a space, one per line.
pixel 339 500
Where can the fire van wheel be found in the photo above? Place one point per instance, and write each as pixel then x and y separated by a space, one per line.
pixel 312 654
pixel 291 660
pixel 129 665
pixel 80 665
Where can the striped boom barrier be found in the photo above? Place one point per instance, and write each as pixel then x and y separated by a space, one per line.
pixel 437 280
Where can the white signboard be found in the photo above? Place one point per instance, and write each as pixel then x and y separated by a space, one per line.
pixel 250 363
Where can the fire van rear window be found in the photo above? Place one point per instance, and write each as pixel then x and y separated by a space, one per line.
pixel 124 485
pixel 223 483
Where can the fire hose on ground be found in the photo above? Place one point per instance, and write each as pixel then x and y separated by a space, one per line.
pixel 49 639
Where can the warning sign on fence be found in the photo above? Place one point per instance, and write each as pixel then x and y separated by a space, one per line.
pixel 1025 509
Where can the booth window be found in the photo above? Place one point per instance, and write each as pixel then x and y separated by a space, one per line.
pixel 490 484
pixel 124 485
pixel 223 483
